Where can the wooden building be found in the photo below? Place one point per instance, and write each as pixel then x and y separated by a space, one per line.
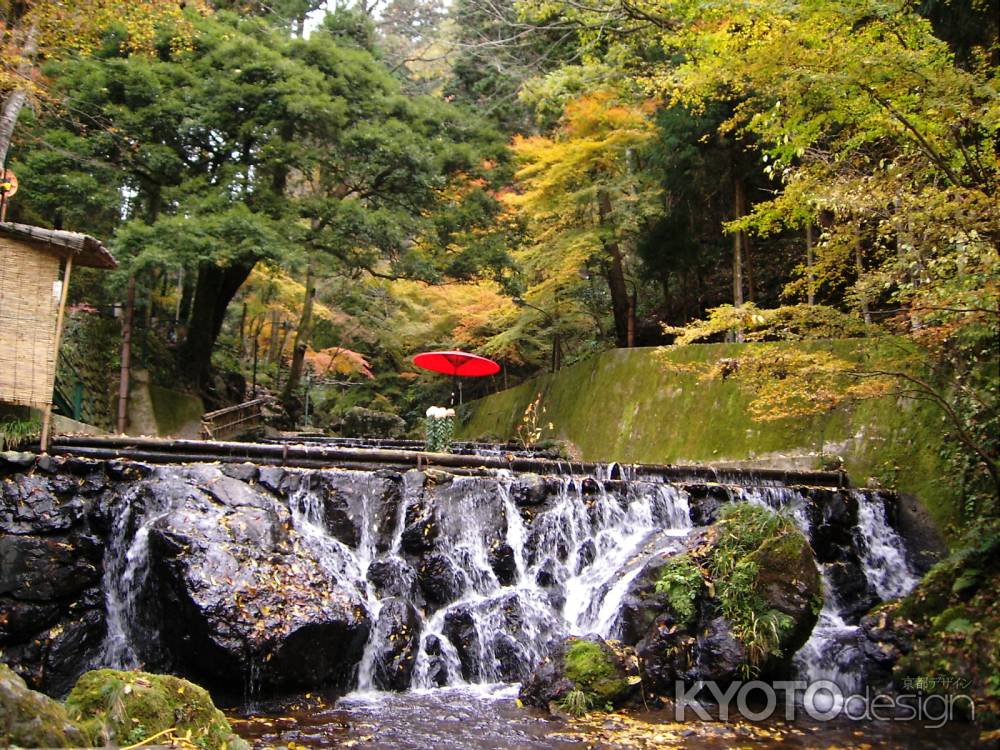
pixel 35 269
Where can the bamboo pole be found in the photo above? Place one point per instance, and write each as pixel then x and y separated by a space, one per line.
pixel 126 364
pixel 63 295
pixel 290 455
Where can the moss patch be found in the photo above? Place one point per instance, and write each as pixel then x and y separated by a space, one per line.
pixel 623 405
pixel 681 581
pixel 595 673
pixel 30 719
pixel 128 707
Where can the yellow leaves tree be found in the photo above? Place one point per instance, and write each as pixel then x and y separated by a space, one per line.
pixel 586 200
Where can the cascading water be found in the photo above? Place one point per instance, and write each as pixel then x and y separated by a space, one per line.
pixel 126 570
pixel 480 583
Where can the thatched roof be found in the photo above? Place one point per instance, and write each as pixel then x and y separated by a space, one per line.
pixel 86 250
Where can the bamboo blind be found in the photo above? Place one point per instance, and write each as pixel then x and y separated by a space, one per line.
pixel 28 310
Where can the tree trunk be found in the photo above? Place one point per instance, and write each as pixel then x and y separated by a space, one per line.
pixel 621 309
pixel 302 335
pixel 739 203
pixel 213 292
pixel 17 98
pixel 809 263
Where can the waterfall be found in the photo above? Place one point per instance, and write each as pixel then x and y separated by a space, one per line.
pixel 126 571
pixel 471 579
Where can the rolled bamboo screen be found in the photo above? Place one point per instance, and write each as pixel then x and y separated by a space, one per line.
pixel 28 307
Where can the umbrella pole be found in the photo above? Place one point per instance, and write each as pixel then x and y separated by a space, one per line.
pixel 459 392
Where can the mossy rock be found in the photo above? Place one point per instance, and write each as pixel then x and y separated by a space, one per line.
pixel 596 670
pixel 128 707
pixel 31 719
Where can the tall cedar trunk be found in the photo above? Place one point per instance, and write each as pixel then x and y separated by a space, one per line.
pixel 17 98
pixel 302 335
pixel 213 292
pixel 809 263
pixel 621 308
pixel 739 204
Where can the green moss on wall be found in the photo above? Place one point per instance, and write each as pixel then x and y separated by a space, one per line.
pixel 623 405
pixel 175 412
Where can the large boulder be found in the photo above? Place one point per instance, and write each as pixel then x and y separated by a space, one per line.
pixel 30 719
pixel 242 593
pixel 742 597
pixel 125 708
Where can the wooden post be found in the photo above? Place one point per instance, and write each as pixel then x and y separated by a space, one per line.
pixel 63 294
pixel 123 384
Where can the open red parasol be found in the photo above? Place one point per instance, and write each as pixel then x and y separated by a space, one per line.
pixel 458 364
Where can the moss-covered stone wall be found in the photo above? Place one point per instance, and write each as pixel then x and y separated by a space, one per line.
pixel 623 405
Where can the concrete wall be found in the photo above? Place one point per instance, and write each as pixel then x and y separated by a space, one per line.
pixel 623 405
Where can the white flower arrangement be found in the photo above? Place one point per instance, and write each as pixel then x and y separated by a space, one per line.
pixel 440 428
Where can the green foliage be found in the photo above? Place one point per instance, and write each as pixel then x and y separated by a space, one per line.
pixel 438 434
pixel 952 620
pixel 744 533
pixel 15 433
pixel 576 702
pixel 681 581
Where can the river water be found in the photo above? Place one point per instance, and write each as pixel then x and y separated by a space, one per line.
pixel 488 718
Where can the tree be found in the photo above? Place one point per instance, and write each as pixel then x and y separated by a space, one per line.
pixel 44 29
pixel 587 201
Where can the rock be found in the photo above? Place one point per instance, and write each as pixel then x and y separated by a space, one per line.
pixel 31 719
pixel 438 666
pixel 665 655
pixel 460 629
pixel 440 580
pixel 43 569
pixel 244 472
pixel 30 505
pixel 503 560
pixel 704 501
pixel 237 589
pixel 854 593
pixel 392 577
pixel 603 673
pixel 271 478
pixel 720 655
pixel 398 633
pixel 420 531
pixel 128 707
pixel 585 555
pixel 531 490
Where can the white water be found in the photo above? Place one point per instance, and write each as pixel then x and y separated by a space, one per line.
pixel 573 565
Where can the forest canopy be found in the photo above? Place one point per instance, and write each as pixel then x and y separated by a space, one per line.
pixel 302 191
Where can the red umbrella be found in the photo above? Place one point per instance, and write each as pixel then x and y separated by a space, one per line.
pixel 458 364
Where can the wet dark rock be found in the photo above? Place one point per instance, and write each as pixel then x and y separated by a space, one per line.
pixel 125 470
pixel 392 577
pixel 832 515
pixel 885 637
pixel 720 655
pixel 29 504
pixel 531 490
pixel 237 589
pixel 854 593
pixel 460 629
pixel 441 582
pixel 704 501
pixel 15 461
pixel 641 605
pixel 270 478
pixel 604 673
pixel 664 655
pixel 244 472
pixel 398 633
pixel 44 568
pixel 20 620
pixel 513 663
pixel 386 490
pixel 585 555
pixel 503 560
pixel 438 665
pixel 420 531
pixel 548 574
